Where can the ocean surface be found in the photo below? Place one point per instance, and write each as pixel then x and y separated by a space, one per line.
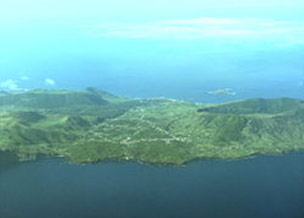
pixel 140 69
pixel 259 187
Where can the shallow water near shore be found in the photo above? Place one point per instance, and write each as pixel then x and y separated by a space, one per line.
pixel 264 186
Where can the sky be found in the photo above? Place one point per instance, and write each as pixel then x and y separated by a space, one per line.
pixel 171 47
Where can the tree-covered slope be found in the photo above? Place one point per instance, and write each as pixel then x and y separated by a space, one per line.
pixel 92 125
pixel 265 106
pixel 50 99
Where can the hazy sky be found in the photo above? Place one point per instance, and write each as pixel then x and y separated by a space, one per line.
pixel 126 15
pixel 52 39
pixel 61 24
pixel 147 9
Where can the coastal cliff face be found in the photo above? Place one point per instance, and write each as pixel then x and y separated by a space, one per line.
pixel 93 125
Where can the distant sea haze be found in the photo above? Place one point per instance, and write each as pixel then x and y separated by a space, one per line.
pixel 180 75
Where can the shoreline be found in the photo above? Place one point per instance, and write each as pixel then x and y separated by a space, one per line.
pixel 12 159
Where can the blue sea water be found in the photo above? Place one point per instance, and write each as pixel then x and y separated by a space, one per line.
pixel 260 187
pixel 185 70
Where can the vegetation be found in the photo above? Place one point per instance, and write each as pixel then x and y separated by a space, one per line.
pixel 92 125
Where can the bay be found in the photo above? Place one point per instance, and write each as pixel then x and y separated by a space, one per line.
pixel 263 186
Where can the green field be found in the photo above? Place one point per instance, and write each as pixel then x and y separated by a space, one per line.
pixel 92 125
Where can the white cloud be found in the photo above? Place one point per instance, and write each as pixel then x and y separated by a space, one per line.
pixel 204 28
pixel 24 78
pixel 10 85
pixel 49 82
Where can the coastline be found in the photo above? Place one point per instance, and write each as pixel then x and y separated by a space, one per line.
pixel 9 157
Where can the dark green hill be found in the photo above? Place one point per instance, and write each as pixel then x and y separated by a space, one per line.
pixel 28 117
pixel 51 99
pixel 93 125
pixel 267 106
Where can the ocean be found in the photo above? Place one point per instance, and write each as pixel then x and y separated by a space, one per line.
pixel 262 186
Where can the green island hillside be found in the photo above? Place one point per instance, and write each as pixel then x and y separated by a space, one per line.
pixel 92 125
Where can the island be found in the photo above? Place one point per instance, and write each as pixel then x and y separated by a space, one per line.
pixel 92 125
pixel 226 91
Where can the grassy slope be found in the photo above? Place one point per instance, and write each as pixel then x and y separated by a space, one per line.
pixel 92 125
